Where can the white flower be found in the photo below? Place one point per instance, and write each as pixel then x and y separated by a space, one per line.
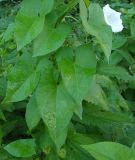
pixel 113 19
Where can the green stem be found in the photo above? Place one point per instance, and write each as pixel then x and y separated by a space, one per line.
pixel 66 9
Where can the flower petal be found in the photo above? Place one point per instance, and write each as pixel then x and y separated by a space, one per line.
pixel 112 18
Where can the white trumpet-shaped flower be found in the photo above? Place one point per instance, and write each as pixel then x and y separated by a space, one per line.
pixel 112 18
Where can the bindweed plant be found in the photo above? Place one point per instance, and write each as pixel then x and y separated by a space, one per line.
pixel 67 80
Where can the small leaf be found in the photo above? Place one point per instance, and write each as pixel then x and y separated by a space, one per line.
pixel 2 116
pixel 132 27
pixel 115 71
pixel 81 139
pixel 9 32
pixel 21 148
pixel 93 115
pixel 32 113
pixel 118 42
pixel 127 55
pixel 97 96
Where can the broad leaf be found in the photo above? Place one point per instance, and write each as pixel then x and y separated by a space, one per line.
pixel 21 80
pixel 95 25
pixel 110 151
pixel 50 39
pixel 55 104
pixel 21 148
pixel 77 68
pixel 30 20
pixel 4 155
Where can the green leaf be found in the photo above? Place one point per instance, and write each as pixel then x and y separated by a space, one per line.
pixel 94 116
pixel 50 39
pixel 115 98
pixel 1 135
pixel 103 81
pixel 81 139
pixel 63 9
pixel 30 20
pixel 52 156
pixel 95 25
pixel 43 138
pixel 75 152
pixel 127 56
pixel 22 81
pixel 97 96
pixel 3 85
pixel 87 2
pixel 21 148
pixel 115 58
pixel 118 41
pixel 4 155
pixel 32 113
pixel 110 151
pixel 55 104
pixel 58 3
pixel 132 28
pixel 114 71
pixel 77 69
pixel 2 116
pixel 9 32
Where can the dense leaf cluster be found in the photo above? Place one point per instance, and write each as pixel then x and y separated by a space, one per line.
pixel 66 81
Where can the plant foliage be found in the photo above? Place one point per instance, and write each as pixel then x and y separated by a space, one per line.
pixel 66 81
